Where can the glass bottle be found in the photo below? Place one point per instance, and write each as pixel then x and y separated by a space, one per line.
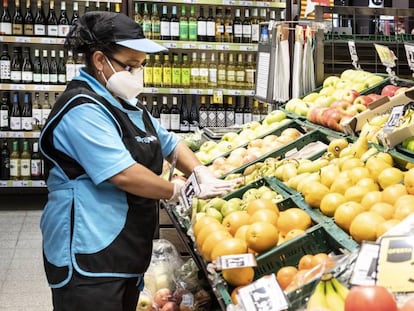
pixel 174 24
pixel 219 25
pixel 155 112
pixel 166 71
pixel 203 113
pixel 192 25
pixel 255 26
pixel 184 115
pixel 164 24
pixel 15 161
pixel 195 71
pixel 231 72
pixel 75 13
pixel 220 114
pixel 176 72
pixel 63 22
pixel 36 163
pixel 17 23
pixel 247 27
pixel 70 67
pixel 240 72
pixel 238 112
pixel 97 5
pixel 4 113
pixel 144 102
pixel 28 28
pixel 211 113
pixel 247 111
pixel 165 116
pixel 40 21
pixel 221 71
pixel 16 66
pixel 237 27
pixel 203 72
pixel 79 63
pixel 256 116
pixel 148 71
pixel 185 72
pixel 52 21
pixel 27 67
pixel 53 68
pixel 201 26
pixel 46 108
pixel 194 115
pixel 250 69
pixel 137 15
pixel 175 116
pixel 37 67
pixel 210 26
pixel 5 63
pixel 25 157
pixel 146 22
pixel 212 71
pixel 45 68
pixel 155 22
pixel 61 68
pixel 229 113
pixel 36 113
pixel 5 161
pixel 87 8
pixel 5 20
pixel 15 113
pixel 183 24
pixel 157 72
pixel 228 26
pixel 27 112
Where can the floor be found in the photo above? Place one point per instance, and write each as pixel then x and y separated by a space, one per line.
pixel 23 286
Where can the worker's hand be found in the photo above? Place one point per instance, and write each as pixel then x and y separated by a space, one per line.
pixel 175 198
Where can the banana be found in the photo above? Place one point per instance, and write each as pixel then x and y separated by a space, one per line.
pixel 318 298
pixel 334 301
pixel 341 289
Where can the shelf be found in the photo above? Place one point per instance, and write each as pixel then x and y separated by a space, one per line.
pixel 202 45
pixel 19 134
pixel 22 184
pixel 37 40
pixel 267 4
pixel 194 91
pixel 32 87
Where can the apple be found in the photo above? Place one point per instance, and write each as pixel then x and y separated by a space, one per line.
pixel 374 96
pixel 327 90
pixel 332 118
pixel 291 104
pixel 350 95
pixel 339 94
pixel 274 116
pixel 401 90
pixel 330 81
pixel 144 302
pixel 230 136
pixel 170 306
pixel 208 145
pixel 370 297
pixel 315 113
pixel 301 109
pixel 354 109
pixel 162 296
pixel 358 86
pixel 363 99
pixel 324 100
pixel 343 85
pixel 374 79
pixel 311 97
pixel 212 212
pixel 341 104
pixel 347 74
pixel 389 90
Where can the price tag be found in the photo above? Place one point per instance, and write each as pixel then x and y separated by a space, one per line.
pixel 154 90
pixel 394 119
pixel 170 45
pixel 17 87
pixel 189 190
pixel 365 269
pixel 225 2
pixel 16 134
pixel 354 55
pixel 249 93
pixel 409 52
pixel 208 47
pixel 235 261
pixel 40 87
pixel 218 96
pixel 386 56
pixel 186 46
pixel 3 183
pixel 263 294
pixel 202 46
pixel 17 183
pixel 47 40
pixel 196 91
pixel 25 183
pixel 246 48
pixel 22 39
pixel 226 47
pixel 1 38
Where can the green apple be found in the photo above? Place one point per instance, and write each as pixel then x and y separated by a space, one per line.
pixel 224 146
pixel 208 145
pixel 201 205
pixel 212 212
pixel 251 125
pixel 347 74
pixel 203 156
pixel 215 203
pixel 328 90
pixel 230 136
pixel 330 81
pixel 292 104
pixel 311 97
pixel 359 86
pixel 199 215
pixel 274 116
pixel 230 207
pixel 374 79
pixel 302 109
pixel 325 100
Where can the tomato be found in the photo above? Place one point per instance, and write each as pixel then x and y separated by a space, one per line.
pixel 373 297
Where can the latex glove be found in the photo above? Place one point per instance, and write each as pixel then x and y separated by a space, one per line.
pixel 175 198
pixel 216 188
pixel 204 175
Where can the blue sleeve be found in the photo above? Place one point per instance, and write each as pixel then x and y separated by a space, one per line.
pixel 89 134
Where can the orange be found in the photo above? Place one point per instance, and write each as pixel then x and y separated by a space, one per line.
pixel 230 246
pixel 241 232
pixel 356 193
pixel 234 293
pixel 371 198
pixel 404 206
pixel 393 192
pixel 265 215
pixel 386 210
pixel 261 236
pixel 206 231
pixel 293 218
pixel 202 222
pixel 346 212
pixel 330 202
pixel 385 226
pixel 257 204
pixel 285 276
pixel 235 220
pixel 238 276
pixel 212 240
pixel 341 184
pixel 293 234
pixel 319 259
pixel 305 262
pixel 364 226
pixel 368 183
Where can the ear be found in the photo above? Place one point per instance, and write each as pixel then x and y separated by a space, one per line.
pixel 98 60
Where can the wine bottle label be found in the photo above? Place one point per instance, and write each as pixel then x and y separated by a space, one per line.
pixel 203 74
pixel 37 77
pixel 53 78
pixel 203 118
pixel 256 117
pixel 220 29
pixel 17 29
pixel 5 69
pixel 230 118
pixel 183 28
pixel 240 76
pixel 36 167
pixel 194 126
pixel 195 72
pixel 148 73
pixel 157 76
pixel 185 76
pixel 228 29
pixel 250 76
pixel 255 32
pixel 27 123
pixel 165 120
pixel 45 115
pixel 6 28
pixel 174 29
pixel 28 30
pixel 63 30
pixel 212 75
pixel 166 72
pixel 45 78
pixel 221 118
pixel 146 27
pixel 4 119
pixel 62 78
pixel 184 126
pixel 247 31
pixel 25 167
pixel 15 168
pixel 238 31
pixel 231 75
pixel 247 117
pixel 238 118
pixel 155 28
pixel 36 118
pixel 192 31
pixel 70 72
pixel 175 122
pixel 212 118
pixel 39 30
pixel 52 30
pixel 15 75
pixel 211 29
pixel 27 76
pixel 164 28
pixel 201 28
pixel 15 123
pixel 221 75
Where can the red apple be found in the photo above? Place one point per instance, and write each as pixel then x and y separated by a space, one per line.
pixel 350 95
pixel 342 104
pixel 372 297
pixel 315 114
pixel 162 296
pixel 355 109
pixel 170 306
pixel 363 99
pixel 389 90
pixel 332 118
pixel 374 96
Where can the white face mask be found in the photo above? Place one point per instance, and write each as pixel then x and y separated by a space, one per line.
pixel 124 84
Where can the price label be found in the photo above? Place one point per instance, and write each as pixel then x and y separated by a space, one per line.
pixel 174 91
pixel 394 119
pixel 196 91
pixel 353 53
pixel 154 90
pixel 16 134
pixel 1 38
pixel 365 269
pixel 246 48
pixel 189 190
pixel 17 87
pixel 47 40
pixel 22 39
pixel 226 47
pixel 17 183
pixel 25 183
pixel 192 46
pixel 264 294
pixel 386 56
pixel 170 45
pixel 218 96
pixel 235 261
pixel 409 52
pixel 40 87
pixel 186 46
pixel 208 47
pixel 202 47
pixel 3 183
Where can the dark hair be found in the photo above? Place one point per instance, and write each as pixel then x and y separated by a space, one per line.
pixel 82 36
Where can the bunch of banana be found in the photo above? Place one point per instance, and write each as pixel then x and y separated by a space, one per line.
pixel 406 120
pixel 329 295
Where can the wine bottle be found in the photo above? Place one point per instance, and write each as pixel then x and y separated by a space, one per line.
pixel 256 111
pixel 165 115
pixel 176 72
pixel 63 22
pixel 195 72
pixel 70 67
pixel 40 21
pixel 75 14
pixel 247 111
pixel 46 108
pixel 4 113
pixel 146 22
pixel 52 21
pixel 184 115
pixel 27 67
pixel 255 26
pixel 228 26
pixel 79 63
pixel 15 114
pixel 25 161
pixel 148 71
pixel 231 72
pixel 37 67
pixel 17 24
pixel 210 26
pixel 27 112
pixel 229 111
pixel 36 113
pixel 220 114
pixel 36 163
pixel 212 72
pixel 201 26
pixel 137 15
pixel 185 72
pixel 174 24
pixel 203 72
pixel 175 116
pixel 211 113
pixel 166 71
pixel 155 112
pixel 87 8
pixel 221 71
pixel 155 22
pixel 183 25
pixel 250 69
pixel 28 28
pixel 144 102
pixel 164 24
pixel 45 68
pixel 237 27
pixel 192 25
pixel 240 72
pixel 5 161
pixel 247 27
pixel 219 25
pixel 157 72
pixel 202 112
pixel 108 6
pixel 5 64
pixel 15 164
pixel 53 68
pixel 194 115
pixel 16 66
pixel 238 112
pixel 5 20
pixel 97 5
pixel 61 68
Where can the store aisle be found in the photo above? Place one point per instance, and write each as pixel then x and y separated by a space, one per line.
pixel 23 285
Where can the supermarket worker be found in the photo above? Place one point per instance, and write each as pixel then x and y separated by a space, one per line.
pixel 104 154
